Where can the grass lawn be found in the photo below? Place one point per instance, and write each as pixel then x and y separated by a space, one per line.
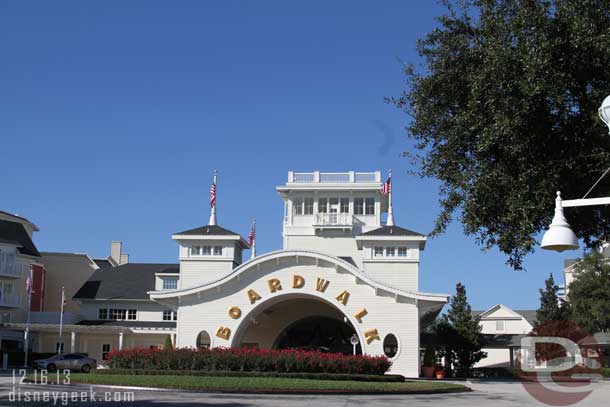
pixel 266 384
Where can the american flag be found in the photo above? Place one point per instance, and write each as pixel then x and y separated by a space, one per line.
pixel 213 194
pixel 252 235
pixel 386 188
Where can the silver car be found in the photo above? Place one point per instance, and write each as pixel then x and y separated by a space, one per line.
pixel 70 361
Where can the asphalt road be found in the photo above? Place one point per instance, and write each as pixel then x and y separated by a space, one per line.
pixel 495 394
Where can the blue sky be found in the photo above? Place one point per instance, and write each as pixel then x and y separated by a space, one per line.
pixel 114 115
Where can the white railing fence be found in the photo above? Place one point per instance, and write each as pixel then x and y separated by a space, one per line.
pixel 334 219
pixel 334 177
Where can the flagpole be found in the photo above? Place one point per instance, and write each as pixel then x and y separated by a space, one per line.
pixel 61 321
pixel 26 336
pixel 390 220
pixel 213 210
pixel 253 252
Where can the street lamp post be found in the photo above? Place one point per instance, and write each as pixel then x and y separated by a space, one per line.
pixel 560 236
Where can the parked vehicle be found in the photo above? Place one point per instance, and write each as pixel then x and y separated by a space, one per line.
pixel 70 361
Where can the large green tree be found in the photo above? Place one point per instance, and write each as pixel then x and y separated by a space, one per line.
pixel 504 113
pixel 589 293
pixel 552 308
pixel 467 342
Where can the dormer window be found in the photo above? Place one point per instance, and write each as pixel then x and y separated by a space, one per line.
pixel 170 283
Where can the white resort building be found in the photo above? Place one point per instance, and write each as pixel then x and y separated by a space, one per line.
pixel 345 280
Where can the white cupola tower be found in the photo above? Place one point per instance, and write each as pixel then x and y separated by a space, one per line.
pixel 208 253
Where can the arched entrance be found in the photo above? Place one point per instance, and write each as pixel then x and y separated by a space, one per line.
pixel 297 322
pixel 319 332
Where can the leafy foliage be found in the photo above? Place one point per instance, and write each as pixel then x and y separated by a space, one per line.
pixel 589 293
pixel 168 343
pixel 429 357
pixel 504 113
pixel 467 347
pixel 249 360
pixel 459 335
pixel 551 307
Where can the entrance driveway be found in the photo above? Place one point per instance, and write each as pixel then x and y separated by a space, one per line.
pixel 494 394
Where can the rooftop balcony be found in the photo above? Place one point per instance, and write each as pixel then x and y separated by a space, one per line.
pixel 350 177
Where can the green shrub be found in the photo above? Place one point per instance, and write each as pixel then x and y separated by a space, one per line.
pixel 248 360
pixel 225 373
pixel 429 357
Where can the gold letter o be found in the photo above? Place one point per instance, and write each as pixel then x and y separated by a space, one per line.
pixel 235 312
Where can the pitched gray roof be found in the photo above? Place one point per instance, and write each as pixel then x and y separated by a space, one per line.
pixel 391 231
pixel 14 233
pixel 528 314
pixel 130 281
pixel 212 230
pixel 103 263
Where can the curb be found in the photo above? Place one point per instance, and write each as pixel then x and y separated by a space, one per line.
pixel 259 391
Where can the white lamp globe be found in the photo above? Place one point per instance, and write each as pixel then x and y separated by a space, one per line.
pixel 560 236
pixel 604 112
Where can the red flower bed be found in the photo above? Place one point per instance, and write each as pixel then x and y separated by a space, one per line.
pixel 248 360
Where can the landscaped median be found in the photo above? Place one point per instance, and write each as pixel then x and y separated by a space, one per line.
pixel 234 370
pixel 265 384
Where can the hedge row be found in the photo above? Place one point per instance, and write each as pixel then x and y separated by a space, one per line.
pixel 226 373
pixel 248 360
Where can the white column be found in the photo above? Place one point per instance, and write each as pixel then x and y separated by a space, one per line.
pixel 120 340
pixel 73 342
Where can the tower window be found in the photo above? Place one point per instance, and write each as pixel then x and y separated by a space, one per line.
pixel 359 206
pixel 369 208
pixel 308 206
pixel 344 205
pixel 297 205
pixel 322 205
